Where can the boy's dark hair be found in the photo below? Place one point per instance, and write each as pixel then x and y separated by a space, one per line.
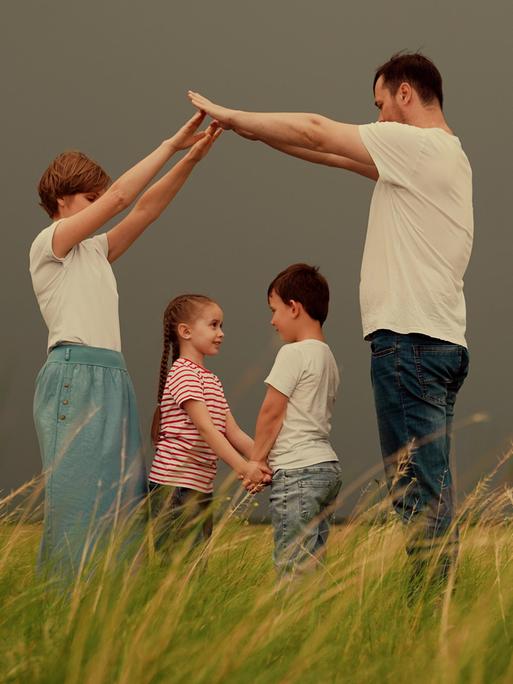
pixel 415 69
pixel 303 283
pixel 70 173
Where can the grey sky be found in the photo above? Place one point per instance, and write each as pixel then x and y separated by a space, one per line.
pixel 110 79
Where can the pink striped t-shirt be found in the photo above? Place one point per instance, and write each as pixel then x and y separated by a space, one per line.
pixel 182 457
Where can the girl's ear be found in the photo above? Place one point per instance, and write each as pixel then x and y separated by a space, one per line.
pixel 183 331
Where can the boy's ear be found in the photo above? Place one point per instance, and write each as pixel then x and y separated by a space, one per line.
pixel 183 331
pixel 295 308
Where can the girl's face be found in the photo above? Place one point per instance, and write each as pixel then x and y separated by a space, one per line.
pixel 206 332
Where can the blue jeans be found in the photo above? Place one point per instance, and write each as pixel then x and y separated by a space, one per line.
pixel 302 505
pixel 416 379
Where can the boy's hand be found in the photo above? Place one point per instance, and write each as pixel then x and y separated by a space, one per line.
pixel 262 476
pixel 186 136
pixel 256 473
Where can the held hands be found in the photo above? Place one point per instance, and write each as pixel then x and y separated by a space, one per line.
pixel 257 475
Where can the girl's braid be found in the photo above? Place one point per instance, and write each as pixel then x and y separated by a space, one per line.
pixel 165 357
pixel 180 310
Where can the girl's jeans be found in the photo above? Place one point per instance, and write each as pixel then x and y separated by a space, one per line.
pixel 416 379
pixel 302 504
pixel 177 512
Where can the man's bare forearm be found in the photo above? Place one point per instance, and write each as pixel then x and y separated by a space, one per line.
pixel 326 159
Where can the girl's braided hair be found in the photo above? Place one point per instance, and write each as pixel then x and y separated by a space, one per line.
pixel 181 309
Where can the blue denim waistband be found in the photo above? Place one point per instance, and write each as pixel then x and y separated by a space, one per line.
pixel 90 356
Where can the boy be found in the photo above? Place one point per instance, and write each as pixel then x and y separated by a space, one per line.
pixel 293 426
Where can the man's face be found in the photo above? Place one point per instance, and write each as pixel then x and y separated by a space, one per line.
pixel 388 104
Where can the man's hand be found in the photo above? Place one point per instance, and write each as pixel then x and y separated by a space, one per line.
pixel 202 147
pixel 220 114
pixel 186 136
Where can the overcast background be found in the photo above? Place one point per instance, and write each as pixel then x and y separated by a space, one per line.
pixel 110 78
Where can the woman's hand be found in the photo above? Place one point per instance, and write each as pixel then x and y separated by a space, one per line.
pixel 186 136
pixel 202 147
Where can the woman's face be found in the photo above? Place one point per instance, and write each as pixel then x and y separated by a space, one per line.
pixel 69 205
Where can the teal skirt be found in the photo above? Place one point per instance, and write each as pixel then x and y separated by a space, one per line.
pixel 88 429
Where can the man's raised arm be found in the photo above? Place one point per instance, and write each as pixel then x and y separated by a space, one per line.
pixel 285 131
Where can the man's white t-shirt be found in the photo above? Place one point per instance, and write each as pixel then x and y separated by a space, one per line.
pixel 306 372
pixel 77 294
pixel 420 232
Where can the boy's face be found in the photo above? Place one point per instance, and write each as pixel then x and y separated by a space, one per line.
pixel 284 317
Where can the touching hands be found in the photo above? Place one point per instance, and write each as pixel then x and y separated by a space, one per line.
pixel 218 113
pixel 257 475
pixel 187 136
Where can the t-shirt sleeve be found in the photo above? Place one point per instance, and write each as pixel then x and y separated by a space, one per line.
pixel 286 371
pixel 41 250
pixel 99 243
pixel 183 384
pixel 395 149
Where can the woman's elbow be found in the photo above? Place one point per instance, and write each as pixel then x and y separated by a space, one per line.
pixel 119 198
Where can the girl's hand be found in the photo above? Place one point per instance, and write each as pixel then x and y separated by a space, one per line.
pixel 187 136
pixel 220 114
pixel 202 147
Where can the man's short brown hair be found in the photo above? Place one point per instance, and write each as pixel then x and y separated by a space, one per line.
pixel 417 70
pixel 303 283
pixel 70 173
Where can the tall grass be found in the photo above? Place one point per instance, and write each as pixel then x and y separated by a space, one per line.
pixel 146 620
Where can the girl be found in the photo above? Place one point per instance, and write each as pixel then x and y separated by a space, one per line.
pixel 84 407
pixel 193 425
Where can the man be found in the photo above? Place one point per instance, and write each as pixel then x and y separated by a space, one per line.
pixel 418 244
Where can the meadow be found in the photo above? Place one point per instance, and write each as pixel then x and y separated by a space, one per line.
pixel 218 613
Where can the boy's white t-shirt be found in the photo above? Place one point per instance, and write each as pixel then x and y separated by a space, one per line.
pixel 77 294
pixel 306 372
pixel 420 231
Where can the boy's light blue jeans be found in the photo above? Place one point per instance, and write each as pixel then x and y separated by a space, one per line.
pixel 302 505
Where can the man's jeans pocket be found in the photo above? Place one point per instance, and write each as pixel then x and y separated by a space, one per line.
pixel 441 369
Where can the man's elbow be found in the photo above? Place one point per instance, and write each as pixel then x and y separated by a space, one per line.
pixel 314 133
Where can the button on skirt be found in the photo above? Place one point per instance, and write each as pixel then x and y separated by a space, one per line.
pixel 87 424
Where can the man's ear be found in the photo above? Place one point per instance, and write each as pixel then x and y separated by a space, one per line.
pixel 405 93
pixel 183 331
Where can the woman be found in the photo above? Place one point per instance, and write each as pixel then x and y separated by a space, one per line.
pixel 84 406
